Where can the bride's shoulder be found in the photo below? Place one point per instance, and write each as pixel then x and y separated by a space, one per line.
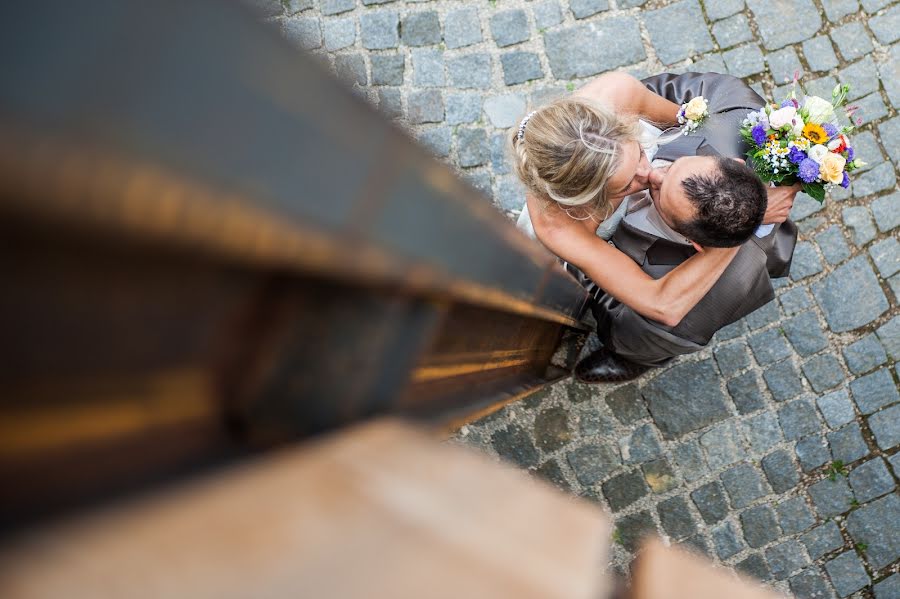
pixel 549 219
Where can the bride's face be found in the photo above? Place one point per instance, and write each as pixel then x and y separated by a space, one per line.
pixel 632 175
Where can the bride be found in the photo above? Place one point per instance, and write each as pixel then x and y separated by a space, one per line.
pixel 579 159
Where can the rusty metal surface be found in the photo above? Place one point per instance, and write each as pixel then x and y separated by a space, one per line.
pixel 210 246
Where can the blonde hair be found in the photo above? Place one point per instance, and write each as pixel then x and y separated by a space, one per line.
pixel 569 150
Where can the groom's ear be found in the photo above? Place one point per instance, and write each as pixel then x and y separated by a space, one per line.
pixel 698 247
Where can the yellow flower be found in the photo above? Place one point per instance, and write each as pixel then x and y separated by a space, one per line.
pixel 832 168
pixel 815 133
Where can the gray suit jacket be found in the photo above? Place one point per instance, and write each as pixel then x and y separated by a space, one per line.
pixel 744 286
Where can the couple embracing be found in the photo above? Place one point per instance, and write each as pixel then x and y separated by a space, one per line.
pixel 673 235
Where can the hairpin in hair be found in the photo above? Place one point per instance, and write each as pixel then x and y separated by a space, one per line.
pixel 524 122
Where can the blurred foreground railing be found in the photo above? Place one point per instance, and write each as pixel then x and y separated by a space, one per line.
pixel 209 245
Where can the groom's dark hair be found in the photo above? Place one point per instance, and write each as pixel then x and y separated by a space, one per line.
pixel 730 203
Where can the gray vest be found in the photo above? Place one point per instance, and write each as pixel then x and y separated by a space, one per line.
pixel 744 286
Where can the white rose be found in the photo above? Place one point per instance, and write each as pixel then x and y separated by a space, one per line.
pixel 835 143
pixel 783 116
pixel 818 110
pixel 695 109
pixel 818 152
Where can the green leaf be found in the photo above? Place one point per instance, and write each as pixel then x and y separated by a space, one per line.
pixel 815 190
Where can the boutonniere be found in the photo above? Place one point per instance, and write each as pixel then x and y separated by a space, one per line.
pixel 692 114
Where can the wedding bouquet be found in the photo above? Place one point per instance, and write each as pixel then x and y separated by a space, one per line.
pixel 801 141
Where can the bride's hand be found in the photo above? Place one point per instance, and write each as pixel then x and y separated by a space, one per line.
pixel 781 199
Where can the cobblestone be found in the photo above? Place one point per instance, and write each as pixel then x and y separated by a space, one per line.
pixel 809 584
pixel 746 393
pixel 819 53
pixel 769 346
pixel 847 573
pixel 744 483
pixel 812 452
pixel 835 10
pixel 438 140
pixel 886 209
pixel 805 333
pixel 755 566
pixel 582 51
pixel 885 426
pixel 823 372
pixel 763 432
pixel 780 470
pixel 722 445
pixel 865 354
pixel 832 244
pixel 586 8
pixel 831 497
pixel 837 408
pixel 732 31
pixel 886 256
pixel 640 446
pixel 822 540
pixel 874 391
pixel 504 111
pixel 626 404
pixel 624 489
pixel 744 61
pixel 459 76
pixel 686 398
pixel 783 23
pixel 380 29
pixel 871 480
pixel 667 26
pixel 519 67
pixel 676 519
pixel 547 14
pixel 711 502
pixel 866 525
pixel 727 540
pixel 886 26
pixel 852 279
pixel 421 28
pixel 794 516
pixel 847 443
pixel 509 27
pixel 852 40
pixel 786 558
pixel 889 588
pixel 760 526
pixel 387 69
pixel 462 28
pixel 783 380
pixel 428 67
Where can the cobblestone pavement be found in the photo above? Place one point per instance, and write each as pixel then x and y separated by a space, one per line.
pixel 777 449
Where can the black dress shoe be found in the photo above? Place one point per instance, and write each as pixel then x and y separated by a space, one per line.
pixel 603 366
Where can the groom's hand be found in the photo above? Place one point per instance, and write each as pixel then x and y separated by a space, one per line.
pixel 779 205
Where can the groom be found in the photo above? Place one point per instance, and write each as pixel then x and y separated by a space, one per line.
pixel 688 201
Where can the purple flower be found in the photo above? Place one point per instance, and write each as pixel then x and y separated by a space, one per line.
pixel 845 183
pixel 809 170
pixel 830 130
pixel 796 155
pixel 850 153
pixel 759 134
pixel 787 103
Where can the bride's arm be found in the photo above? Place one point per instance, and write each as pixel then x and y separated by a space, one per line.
pixel 666 300
pixel 624 93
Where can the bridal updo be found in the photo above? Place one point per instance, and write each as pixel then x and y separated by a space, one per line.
pixel 568 150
